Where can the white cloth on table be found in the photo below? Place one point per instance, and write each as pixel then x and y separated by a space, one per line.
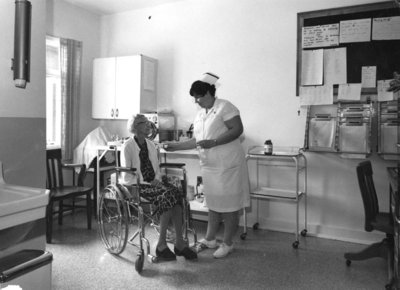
pixel 224 167
pixel 86 151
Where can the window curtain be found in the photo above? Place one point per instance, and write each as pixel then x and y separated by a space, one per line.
pixel 71 60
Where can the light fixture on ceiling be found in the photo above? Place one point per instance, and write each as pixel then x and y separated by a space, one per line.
pixel 22 43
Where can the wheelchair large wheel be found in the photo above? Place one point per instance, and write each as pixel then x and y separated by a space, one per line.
pixel 113 219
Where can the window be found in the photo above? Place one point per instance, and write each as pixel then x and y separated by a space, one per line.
pixel 53 92
pixel 63 74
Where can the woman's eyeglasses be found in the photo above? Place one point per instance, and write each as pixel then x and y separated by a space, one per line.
pixel 142 122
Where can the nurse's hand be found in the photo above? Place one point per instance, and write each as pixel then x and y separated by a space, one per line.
pixel 207 144
pixel 185 145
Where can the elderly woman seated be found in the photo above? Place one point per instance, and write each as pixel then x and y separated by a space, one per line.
pixel 141 153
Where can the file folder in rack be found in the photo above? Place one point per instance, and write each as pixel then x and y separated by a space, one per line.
pixel 293 159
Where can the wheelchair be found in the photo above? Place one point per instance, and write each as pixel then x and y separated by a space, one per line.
pixel 122 207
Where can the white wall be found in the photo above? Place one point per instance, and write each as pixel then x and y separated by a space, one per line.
pixel 23 111
pixel 251 45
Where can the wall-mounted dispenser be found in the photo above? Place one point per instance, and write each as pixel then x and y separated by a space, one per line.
pixel 22 43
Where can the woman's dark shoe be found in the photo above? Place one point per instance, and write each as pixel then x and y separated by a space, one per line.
pixel 165 255
pixel 186 252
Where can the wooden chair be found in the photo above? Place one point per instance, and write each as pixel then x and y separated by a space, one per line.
pixel 374 220
pixel 60 192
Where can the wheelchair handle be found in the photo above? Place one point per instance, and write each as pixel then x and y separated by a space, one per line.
pixel 125 169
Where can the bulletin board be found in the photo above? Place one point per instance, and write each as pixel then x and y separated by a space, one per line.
pixel 382 53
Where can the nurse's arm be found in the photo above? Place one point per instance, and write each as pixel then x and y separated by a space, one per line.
pixel 235 129
pixel 185 145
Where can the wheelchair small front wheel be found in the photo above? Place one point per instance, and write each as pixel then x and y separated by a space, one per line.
pixel 139 262
pixel 113 219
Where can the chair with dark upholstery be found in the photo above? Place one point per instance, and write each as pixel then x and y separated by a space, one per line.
pixel 374 220
pixel 60 192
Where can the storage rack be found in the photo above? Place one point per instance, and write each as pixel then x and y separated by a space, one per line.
pixel 354 121
pixel 388 125
pixel 281 157
pixel 347 119
pixel 317 135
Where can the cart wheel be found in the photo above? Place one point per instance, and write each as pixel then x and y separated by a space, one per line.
pixel 139 262
pixel 255 226
pixel 295 244
pixel 243 236
pixel 113 219
pixel 304 232
pixel 348 262
pixel 154 259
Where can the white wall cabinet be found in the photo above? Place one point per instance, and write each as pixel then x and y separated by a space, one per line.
pixel 123 86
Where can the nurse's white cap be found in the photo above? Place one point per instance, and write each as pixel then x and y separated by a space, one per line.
pixel 210 78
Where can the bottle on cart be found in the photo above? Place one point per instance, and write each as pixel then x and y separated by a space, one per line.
pixel 268 147
pixel 199 186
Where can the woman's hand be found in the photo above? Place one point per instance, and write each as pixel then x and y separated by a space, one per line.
pixel 170 146
pixel 156 182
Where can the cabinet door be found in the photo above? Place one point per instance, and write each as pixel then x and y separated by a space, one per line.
pixel 148 94
pixel 103 102
pixel 127 89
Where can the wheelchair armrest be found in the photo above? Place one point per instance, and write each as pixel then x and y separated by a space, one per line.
pixel 73 165
pixel 172 165
pixel 125 169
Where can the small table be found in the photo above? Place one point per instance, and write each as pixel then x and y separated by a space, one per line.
pixel 282 157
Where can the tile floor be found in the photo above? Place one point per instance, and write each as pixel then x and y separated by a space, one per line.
pixel 265 260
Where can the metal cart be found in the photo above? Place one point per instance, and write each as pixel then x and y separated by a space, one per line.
pixel 281 157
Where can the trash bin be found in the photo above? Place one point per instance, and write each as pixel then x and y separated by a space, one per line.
pixel 29 269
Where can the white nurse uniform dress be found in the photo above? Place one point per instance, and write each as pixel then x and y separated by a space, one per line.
pixel 223 167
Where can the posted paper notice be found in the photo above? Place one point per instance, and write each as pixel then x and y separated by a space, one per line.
pixel 368 76
pixel 312 67
pixel 316 95
pixel 358 30
pixel 386 28
pixel 335 67
pixel 320 35
pixel 349 92
pixel 383 94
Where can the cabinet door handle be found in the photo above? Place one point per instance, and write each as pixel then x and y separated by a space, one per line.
pixel 116 113
pixel 112 112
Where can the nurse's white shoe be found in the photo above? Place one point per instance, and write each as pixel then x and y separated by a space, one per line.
pixel 204 244
pixel 223 251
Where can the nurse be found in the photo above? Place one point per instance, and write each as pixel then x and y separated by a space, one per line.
pixel 217 128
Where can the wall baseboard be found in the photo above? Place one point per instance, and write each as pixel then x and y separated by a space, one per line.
pixel 319 231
